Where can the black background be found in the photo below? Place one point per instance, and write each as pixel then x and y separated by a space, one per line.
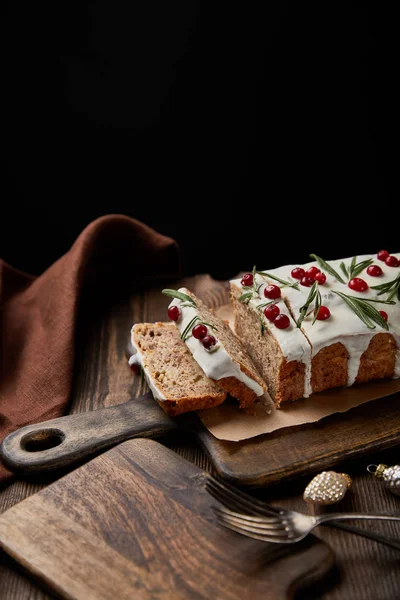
pixel 255 133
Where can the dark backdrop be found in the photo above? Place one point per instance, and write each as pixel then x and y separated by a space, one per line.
pixel 252 133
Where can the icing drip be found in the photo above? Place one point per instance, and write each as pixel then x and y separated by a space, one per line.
pixel 217 363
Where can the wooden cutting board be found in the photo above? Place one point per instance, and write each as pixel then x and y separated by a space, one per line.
pixel 136 522
pixel 260 461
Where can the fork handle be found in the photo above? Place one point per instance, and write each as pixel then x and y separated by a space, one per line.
pixel 367 534
pixel 345 516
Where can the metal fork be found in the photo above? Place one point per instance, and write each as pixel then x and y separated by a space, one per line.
pixel 256 519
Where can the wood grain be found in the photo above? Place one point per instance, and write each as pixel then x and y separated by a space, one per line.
pixel 137 521
pixel 366 570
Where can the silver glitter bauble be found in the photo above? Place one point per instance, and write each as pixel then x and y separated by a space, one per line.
pixel 389 475
pixel 328 487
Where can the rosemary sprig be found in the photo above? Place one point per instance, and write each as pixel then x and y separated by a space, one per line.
pixel 246 297
pixel 188 328
pixel 262 324
pixel 179 295
pixel 186 332
pixel 345 271
pixel 326 267
pixel 364 310
pixel 285 283
pixel 317 305
pixel 391 288
pixel 264 304
pixel 313 295
pixel 357 268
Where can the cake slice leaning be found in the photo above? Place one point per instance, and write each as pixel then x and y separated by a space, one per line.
pixel 176 380
pixel 282 354
pixel 215 347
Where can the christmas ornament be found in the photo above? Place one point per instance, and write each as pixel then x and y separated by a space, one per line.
pixel 327 487
pixel 390 476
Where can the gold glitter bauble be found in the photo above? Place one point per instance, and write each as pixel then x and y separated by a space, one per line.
pixel 327 487
pixel 389 475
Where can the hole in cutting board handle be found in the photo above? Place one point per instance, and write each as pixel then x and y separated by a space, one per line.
pixel 43 439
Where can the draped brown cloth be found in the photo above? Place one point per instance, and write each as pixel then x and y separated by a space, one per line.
pixel 38 315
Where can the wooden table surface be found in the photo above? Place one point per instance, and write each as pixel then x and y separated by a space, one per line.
pixel 365 570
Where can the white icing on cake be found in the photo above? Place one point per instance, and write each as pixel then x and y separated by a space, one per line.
pixel 216 364
pixel 344 326
pixel 137 359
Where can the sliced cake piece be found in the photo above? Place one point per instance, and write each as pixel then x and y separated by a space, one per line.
pixel 215 347
pixel 176 380
pixel 278 348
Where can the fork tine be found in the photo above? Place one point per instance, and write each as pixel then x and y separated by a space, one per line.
pixel 274 522
pixel 267 528
pixel 236 499
pixel 232 505
pixel 254 536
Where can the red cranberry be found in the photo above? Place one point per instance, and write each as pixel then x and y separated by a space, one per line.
pixel 307 280
pixel 320 277
pixel 272 292
pixel 383 254
pixel 271 312
pixel 384 314
pixel 209 341
pixel 174 313
pixel 247 280
pixel 313 271
pixel 374 271
pixel 282 321
pixel 392 261
pixel 298 273
pixel 199 331
pixel 358 285
pixel 323 313
pixel 135 368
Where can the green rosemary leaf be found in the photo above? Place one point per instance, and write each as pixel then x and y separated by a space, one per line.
pixel 373 300
pixel 262 324
pixel 179 295
pixel 209 325
pixel 292 284
pixel 355 308
pixel 264 304
pixel 318 303
pixel 364 310
pixel 344 269
pixel 303 310
pixel 246 297
pixel 326 267
pixel 186 331
pixel 390 287
pixel 359 267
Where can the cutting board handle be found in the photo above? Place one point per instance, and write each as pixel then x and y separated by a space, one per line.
pixel 67 440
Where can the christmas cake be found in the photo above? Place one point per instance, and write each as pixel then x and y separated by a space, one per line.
pixel 321 325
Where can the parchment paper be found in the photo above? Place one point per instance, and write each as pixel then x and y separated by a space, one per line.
pixel 227 422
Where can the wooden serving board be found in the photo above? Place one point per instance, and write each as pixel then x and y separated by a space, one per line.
pixel 260 461
pixel 137 522
pixel 104 379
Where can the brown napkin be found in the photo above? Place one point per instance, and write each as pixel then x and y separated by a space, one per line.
pixel 38 315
